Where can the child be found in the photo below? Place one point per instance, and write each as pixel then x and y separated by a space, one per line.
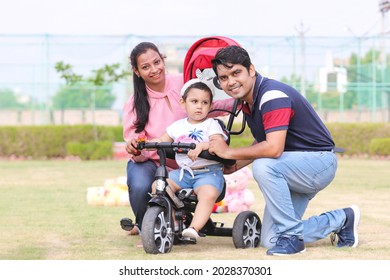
pixel 204 176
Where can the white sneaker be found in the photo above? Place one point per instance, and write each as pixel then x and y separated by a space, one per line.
pixel 191 233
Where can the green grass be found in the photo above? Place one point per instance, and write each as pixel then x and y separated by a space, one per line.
pixel 44 215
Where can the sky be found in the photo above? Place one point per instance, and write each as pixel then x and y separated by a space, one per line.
pixel 192 17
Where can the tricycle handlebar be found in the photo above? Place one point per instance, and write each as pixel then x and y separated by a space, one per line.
pixel 166 145
pixel 179 147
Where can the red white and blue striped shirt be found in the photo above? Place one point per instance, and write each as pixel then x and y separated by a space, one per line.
pixel 277 106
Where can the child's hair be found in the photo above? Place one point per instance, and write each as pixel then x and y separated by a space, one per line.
pixel 198 85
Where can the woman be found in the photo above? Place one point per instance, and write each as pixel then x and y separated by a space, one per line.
pixel 154 105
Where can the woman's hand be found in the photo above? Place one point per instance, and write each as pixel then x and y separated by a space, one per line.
pixel 131 147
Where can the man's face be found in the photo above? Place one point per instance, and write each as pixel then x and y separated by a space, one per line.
pixel 237 81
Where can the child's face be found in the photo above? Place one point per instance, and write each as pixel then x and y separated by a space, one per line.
pixel 197 105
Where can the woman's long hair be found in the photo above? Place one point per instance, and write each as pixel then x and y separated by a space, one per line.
pixel 141 104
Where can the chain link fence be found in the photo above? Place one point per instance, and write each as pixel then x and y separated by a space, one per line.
pixel 346 79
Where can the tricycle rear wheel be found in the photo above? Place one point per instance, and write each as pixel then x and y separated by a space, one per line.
pixel 246 230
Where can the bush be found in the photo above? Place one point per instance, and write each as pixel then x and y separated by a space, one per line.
pixel 90 150
pixel 50 141
pixel 355 137
pixel 117 133
pixel 380 146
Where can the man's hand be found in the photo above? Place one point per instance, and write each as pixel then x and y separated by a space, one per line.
pixel 218 147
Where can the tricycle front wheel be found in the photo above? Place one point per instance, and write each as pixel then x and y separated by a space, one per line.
pixel 157 236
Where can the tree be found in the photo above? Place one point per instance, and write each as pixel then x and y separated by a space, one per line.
pixel 83 92
pixel 90 92
pixel 8 100
pixel 363 71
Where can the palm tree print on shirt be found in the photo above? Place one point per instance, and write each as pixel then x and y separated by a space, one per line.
pixel 196 135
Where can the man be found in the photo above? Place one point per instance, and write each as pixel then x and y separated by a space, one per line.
pixel 292 157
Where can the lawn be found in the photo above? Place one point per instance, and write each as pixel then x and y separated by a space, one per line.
pixel 44 215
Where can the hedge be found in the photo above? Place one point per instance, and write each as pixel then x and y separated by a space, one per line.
pixel 380 146
pixel 91 150
pixel 39 142
pixel 50 141
pixel 354 138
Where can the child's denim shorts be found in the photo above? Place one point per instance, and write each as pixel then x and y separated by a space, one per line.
pixel 210 175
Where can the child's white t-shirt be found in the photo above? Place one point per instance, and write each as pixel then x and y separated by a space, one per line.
pixel 185 132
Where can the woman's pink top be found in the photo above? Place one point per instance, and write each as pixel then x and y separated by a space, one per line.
pixel 161 115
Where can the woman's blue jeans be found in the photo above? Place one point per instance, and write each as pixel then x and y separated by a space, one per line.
pixel 140 176
pixel 288 183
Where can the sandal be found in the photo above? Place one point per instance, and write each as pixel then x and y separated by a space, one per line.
pixel 191 233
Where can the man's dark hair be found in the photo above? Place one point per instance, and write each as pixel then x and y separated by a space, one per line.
pixel 231 55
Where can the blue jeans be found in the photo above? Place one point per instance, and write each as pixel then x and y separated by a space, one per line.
pixel 140 176
pixel 288 184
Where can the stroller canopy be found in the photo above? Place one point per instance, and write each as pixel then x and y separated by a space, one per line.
pixel 201 53
pixel 199 56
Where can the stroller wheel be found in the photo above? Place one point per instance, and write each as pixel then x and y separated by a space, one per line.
pixel 247 230
pixel 157 237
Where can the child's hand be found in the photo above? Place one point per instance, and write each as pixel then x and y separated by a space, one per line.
pixel 193 154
